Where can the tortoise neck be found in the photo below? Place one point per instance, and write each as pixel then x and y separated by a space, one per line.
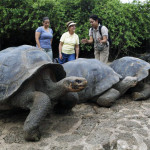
pixel 57 90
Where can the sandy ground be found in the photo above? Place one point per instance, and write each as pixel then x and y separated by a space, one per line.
pixel 124 126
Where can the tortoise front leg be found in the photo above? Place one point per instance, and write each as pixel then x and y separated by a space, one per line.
pixel 108 98
pixel 38 111
pixel 39 105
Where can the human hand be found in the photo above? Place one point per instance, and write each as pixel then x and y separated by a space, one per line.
pixel 41 48
pixel 84 41
pixel 99 40
pixel 60 56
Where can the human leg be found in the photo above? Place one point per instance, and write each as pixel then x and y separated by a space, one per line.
pixel 104 55
pixel 71 57
pixel 97 54
pixel 64 59
pixel 50 53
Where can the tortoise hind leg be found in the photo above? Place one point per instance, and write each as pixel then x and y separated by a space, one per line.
pixel 39 104
pixel 142 93
pixel 66 103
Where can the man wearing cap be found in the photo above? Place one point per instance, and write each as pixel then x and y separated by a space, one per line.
pixel 69 44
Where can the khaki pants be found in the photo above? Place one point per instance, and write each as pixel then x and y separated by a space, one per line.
pixel 102 55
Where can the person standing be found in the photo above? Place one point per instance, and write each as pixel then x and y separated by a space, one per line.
pixel 44 37
pixel 69 44
pixel 98 34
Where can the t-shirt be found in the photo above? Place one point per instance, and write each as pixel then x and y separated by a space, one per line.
pixel 69 42
pixel 96 34
pixel 45 37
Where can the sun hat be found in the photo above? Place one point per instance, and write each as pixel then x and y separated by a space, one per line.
pixel 70 23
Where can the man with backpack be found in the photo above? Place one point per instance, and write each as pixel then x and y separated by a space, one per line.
pixel 98 34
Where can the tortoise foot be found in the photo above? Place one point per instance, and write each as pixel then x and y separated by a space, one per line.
pixel 137 96
pixel 33 135
pixel 105 103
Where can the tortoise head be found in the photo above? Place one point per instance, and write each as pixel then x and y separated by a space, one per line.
pixel 75 84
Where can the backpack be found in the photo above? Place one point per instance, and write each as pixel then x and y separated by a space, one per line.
pixel 100 31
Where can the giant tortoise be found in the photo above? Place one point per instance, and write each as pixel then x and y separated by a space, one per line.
pixel 135 67
pixel 101 78
pixel 29 80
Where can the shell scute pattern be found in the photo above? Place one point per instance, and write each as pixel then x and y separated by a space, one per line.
pixel 131 66
pixel 99 76
pixel 20 63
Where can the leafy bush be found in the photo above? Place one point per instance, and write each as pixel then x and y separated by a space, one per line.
pixel 128 24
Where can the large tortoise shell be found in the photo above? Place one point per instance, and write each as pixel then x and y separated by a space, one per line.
pixel 100 77
pixel 17 64
pixel 131 66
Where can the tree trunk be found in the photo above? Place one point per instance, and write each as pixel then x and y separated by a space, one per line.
pixel 148 46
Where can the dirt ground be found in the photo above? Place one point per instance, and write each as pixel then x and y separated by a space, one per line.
pixel 124 126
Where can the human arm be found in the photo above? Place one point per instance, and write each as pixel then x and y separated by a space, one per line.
pixel 37 36
pixel 51 41
pixel 60 49
pixel 84 41
pixel 104 33
pixel 77 51
pixel 104 40
pixel 52 35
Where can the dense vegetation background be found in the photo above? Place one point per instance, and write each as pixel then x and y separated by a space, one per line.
pixel 128 24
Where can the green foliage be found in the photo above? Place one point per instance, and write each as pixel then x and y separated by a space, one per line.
pixel 78 11
pixel 24 15
pixel 128 24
